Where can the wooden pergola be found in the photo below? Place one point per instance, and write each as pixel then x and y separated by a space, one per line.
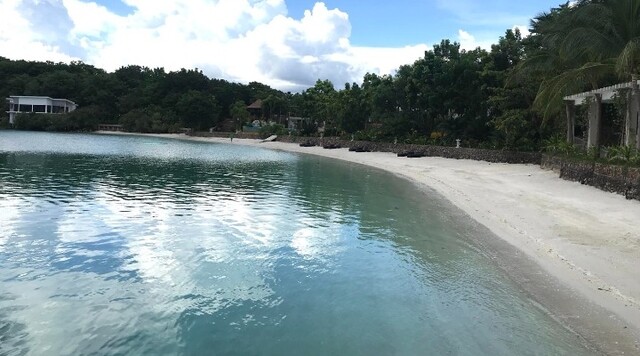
pixel 595 99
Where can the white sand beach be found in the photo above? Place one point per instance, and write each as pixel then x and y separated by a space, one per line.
pixel 586 239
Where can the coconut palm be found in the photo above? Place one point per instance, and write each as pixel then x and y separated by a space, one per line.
pixel 561 73
pixel 606 32
pixel 585 46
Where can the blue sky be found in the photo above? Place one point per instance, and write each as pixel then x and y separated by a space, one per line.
pixel 284 43
pixel 406 22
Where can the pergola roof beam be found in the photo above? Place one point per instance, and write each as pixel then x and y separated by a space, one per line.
pixel 608 93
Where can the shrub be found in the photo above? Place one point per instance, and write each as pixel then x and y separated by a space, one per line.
pixel 84 119
pixel 276 129
pixel 558 145
pixel 623 155
pixel 308 128
pixel 150 119
pixel 373 135
pixel 331 132
pixel 34 122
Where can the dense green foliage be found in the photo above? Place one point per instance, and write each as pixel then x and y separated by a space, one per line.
pixel 508 97
pixel 584 46
pixel 141 99
pixel 275 129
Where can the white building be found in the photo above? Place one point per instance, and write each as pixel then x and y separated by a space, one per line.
pixel 38 104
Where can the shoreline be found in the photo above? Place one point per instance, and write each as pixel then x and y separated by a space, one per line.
pixel 575 249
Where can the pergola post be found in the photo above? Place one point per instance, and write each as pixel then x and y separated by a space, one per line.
pixel 631 138
pixel 634 117
pixel 595 120
pixel 570 106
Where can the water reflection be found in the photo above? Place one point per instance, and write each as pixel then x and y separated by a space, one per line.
pixel 119 245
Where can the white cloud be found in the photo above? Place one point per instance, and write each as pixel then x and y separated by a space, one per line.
pixel 25 39
pixel 524 30
pixel 240 40
pixel 470 42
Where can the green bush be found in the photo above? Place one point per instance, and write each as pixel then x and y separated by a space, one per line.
pixel 4 123
pixel 308 128
pixel 276 129
pixel 37 122
pixel 558 145
pixel 152 119
pixel 331 132
pixel 84 119
pixel 623 155
pixel 373 135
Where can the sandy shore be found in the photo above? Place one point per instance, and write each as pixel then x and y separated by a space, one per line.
pixel 576 249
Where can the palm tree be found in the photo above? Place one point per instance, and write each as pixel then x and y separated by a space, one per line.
pixel 608 32
pixel 586 45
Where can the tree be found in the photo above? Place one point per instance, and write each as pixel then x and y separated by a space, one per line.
pixel 516 125
pixel 320 104
pixel 198 110
pixel 353 110
pixel 274 104
pixel 584 46
pixel 239 113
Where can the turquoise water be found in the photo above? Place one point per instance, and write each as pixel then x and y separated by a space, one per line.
pixel 146 246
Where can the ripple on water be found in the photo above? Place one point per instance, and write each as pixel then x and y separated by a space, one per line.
pixel 123 245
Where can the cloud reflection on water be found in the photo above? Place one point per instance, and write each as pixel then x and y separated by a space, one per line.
pixel 115 253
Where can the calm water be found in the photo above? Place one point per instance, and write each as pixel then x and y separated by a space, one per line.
pixel 145 246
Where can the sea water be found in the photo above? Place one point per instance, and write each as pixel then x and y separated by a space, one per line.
pixel 116 245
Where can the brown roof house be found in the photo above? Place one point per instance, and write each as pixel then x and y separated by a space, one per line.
pixel 255 109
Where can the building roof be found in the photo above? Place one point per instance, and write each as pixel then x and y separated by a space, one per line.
pixel 255 105
pixel 38 97
pixel 608 93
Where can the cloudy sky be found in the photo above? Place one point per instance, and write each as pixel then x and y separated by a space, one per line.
pixel 287 44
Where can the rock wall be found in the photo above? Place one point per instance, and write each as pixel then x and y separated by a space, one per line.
pixel 251 135
pixel 608 177
pixel 612 178
pixel 430 151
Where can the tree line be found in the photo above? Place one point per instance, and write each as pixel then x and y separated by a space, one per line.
pixel 507 97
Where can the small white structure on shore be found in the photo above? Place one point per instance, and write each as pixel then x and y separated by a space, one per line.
pixel 38 104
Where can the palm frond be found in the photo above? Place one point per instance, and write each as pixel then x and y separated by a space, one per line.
pixel 553 90
pixel 586 43
pixel 628 62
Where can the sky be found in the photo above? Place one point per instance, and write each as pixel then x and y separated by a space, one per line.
pixel 287 44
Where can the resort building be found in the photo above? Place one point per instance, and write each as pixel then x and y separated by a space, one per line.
pixel 255 109
pixel 39 105
pixel 595 99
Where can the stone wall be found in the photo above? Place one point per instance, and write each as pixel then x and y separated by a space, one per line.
pixel 250 135
pixel 608 177
pixel 430 151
